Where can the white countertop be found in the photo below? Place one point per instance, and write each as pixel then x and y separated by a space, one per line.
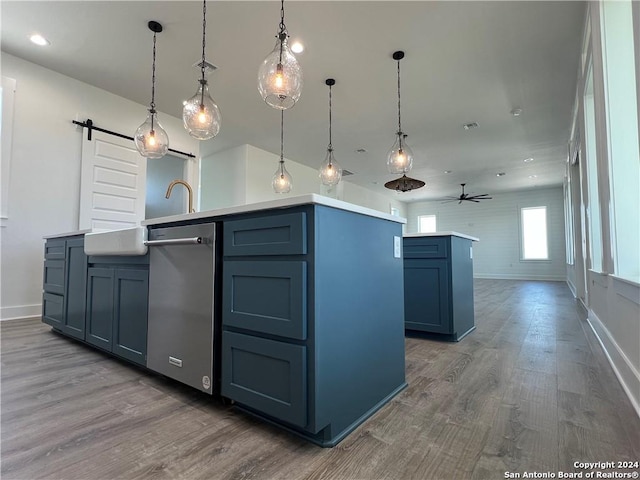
pixel 67 234
pixel 442 234
pixel 311 198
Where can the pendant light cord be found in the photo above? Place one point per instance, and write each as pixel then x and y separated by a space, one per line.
pixel 281 142
pixel 330 144
pixel 203 81
pixel 152 110
pixel 282 34
pixel 399 122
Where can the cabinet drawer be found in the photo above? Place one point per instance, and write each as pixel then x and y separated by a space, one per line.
pixel 266 375
pixel 273 235
pixel 54 276
pixel 54 249
pixel 267 297
pixel 426 247
pixel 52 309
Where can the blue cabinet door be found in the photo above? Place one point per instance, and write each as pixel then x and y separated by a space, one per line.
pixel 53 309
pixel 266 297
pixel 130 314
pixel 272 235
pixel 100 307
pixel 54 276
pixel 75 288
pixel 266 375
pixel 426 285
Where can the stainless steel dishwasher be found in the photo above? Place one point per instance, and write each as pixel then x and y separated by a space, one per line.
pixel 180 341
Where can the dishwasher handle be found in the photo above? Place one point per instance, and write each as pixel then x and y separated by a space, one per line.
pixel 174 241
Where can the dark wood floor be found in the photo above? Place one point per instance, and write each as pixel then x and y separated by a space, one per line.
pixel 529 390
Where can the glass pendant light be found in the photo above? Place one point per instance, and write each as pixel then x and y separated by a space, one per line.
pixel 400 158
pixel 200 114
pixel 330 171
pixel 150 138
pixel 280 75
pixel 282 181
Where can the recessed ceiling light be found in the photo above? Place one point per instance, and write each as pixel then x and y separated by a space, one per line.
pixel 469 126
pixel 516 112
pixel 361 150
pixel 447 171
pixel 39 40
pixel 500 174
pixel 527 160
pixel 297 47
pixel 533 176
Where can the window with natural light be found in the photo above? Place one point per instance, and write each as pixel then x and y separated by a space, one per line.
pixel 621 101
pixel 427 224
pixel 534 233
pixel 593 202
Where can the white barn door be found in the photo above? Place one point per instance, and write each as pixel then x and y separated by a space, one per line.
pixel 113 183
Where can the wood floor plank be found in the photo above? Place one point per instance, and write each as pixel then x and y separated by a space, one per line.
pixel 529 390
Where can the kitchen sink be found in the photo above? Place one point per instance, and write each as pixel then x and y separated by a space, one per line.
pixel 128 241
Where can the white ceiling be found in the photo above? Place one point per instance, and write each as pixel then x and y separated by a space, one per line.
pixel 465 62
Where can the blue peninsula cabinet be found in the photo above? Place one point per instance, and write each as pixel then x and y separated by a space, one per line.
pixel 438 284
pixel 100 300
pixel 312 324
pixel 65 271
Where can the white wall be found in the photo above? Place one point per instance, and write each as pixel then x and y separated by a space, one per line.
pixel 613 303
pixel 243 175
pixel 222 179
pixel 44 191
pixel 496 223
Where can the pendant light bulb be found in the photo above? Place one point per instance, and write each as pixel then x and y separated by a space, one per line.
pixel 282 180
pixel 330 171
pixel 280 76
pixel 400 158
pixel 201 115
pixel 151 140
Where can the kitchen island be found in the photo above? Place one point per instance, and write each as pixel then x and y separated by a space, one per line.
pixel 438 284
pixel 309 315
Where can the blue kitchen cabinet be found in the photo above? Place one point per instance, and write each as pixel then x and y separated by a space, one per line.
pixel 438 285
pixel 64 280
pixel 312 318
pixel 117 306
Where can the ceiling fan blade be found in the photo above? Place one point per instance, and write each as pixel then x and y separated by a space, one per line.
pixel 472 200
pixel 478 197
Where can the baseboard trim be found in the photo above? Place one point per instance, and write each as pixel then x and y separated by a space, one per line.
pixel 515 276
pixel 20 311
pixel 622 367
pixel 572 288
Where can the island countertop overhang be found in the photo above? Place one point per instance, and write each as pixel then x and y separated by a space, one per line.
pixel 308 199
pixel 441 234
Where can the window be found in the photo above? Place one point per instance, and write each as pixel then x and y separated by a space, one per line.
pixel 427 223
pixel 621 106
pixel 568 218
pixel 534 233
pixel 593 203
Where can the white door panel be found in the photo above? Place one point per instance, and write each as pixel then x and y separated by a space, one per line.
pixel 113 183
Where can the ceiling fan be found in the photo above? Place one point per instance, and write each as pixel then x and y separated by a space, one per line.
pixel 468 197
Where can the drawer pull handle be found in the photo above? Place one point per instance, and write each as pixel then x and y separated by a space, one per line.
pixel 175 361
